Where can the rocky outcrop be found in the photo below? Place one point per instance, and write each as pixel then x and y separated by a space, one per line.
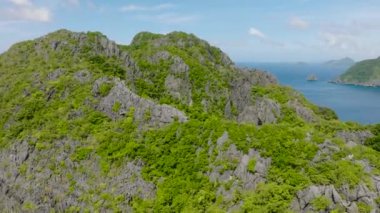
pixel 304 200
pixel 344 198
pixel 120 101
pixel 326 150
pixel 303 112
pixel 263 111
pixel 83 76
pixel 358 137
pixel 44 179
pixel 55 74
pixel 238 174
pixel 259 111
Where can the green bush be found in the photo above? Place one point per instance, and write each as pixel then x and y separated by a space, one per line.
pixel 321 203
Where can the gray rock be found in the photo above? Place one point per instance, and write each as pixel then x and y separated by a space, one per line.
pixel 179 66
pixel 264 111
pixel 251 109
pixel 344 197
pixel 179 89
pixel 56 74
pixel 303 201
pixel 50 180
pixel 83 76
pixel 358 137
pixel 326 150
pixel 145 111
pixel 303 112
pixel 157 57
pixel 241 178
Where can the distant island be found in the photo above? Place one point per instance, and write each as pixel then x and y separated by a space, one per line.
pixel 312 77
pixel 363 73
pixel 344 62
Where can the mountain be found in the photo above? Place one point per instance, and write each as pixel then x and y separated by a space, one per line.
pixel 169 124
pixel 364 73
pixel 341 63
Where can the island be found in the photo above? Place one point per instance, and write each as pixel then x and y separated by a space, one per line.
pixel 312 77
pixel 363 73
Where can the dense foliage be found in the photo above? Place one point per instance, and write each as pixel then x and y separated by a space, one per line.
pixel 367 71
pixel 42 108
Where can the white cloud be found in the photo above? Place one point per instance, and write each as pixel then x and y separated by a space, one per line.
pixel 21 2
pixel 29 14
pixel 263 38
pixel 299 23
pixel 340 41
pixel 134 7
pixel 169 18
pixel 256 33
pixel 25 10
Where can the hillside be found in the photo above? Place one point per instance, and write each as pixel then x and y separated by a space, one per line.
pixel 169 124
pixel 364 73
pixel 340 63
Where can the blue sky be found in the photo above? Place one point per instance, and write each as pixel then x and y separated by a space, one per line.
pixel 247 30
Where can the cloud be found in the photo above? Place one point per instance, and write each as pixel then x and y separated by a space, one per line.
pixel 169 18
pixel 21 2
pixel 256 33
pixel 299 23
pixel 25 10
pixel 136 8
pixel 340 41
pixel 29 14
pixel 263 38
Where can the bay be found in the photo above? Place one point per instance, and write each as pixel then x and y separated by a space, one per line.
pixel 351 103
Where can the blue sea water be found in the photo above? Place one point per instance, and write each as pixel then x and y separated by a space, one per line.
pixel 351 103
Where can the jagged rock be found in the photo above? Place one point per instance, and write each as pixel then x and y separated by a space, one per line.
pixel 303 112
pixel 226 61
pixel 109 47
pixel 56 74
pixel 179 88
pixel 264 111
pixel 358 137
pixel 179 66
pixel 326 150
pixel 145 111
pixel 241 177
pixel 303 201
pixel 51 180
pixel 157 57
pixel 366 165
pixel 360 194
pixel 260 111
pixel 344 197
pixel 83 76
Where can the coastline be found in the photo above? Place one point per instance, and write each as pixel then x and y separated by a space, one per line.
pixel 354 84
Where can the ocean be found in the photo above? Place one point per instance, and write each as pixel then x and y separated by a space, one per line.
pixel 351 103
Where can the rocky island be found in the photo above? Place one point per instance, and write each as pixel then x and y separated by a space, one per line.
pixel 169 124
pixel 312 77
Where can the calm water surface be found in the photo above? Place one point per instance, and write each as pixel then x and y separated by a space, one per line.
pixel 351 103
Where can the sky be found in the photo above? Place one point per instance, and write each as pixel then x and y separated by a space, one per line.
pixel 247 30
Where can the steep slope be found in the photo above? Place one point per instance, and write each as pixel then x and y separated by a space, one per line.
pixel 340 63
pixel 168 124
pixel 364 73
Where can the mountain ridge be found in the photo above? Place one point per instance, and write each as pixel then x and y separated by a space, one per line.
pixel 168 124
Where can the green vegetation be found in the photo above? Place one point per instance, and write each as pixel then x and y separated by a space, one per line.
pixel 374 142
pixel 366 72
pixel 321 203
pixel 177 156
